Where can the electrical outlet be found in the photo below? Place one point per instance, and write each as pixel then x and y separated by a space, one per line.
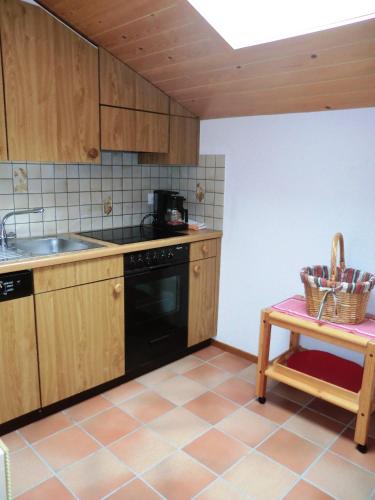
pixel 150 198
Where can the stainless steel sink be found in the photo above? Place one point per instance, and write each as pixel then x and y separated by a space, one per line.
pixel 49 246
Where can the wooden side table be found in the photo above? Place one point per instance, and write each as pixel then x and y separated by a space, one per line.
pixel 361 403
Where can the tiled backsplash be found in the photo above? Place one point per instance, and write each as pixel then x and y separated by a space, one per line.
pixel 83 197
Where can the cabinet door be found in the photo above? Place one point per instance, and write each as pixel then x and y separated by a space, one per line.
pixel 51 87
pixel 183 143
pixel 117 81
pixel 3 138
pixel 202 300
pixel 149 97
pixel 152 132
pixel 80 338
pixel 19 382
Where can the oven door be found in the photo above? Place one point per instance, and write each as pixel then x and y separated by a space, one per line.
pixel 156 314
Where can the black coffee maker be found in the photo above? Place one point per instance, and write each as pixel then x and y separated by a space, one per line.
pixel 169 211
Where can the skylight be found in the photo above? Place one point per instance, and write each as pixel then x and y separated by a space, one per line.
pixel 247 22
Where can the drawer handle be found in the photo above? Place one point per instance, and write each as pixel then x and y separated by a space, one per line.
pixel 205 249
pixel 117 288
pixel 197 269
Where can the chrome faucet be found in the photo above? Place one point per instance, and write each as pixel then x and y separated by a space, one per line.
pixel 3 234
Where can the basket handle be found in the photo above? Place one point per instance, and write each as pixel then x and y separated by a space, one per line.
pixel 337 239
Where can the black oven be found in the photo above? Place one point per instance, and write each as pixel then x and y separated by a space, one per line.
pixel 156 305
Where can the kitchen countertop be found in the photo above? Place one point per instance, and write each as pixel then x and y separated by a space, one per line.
pixel 107 249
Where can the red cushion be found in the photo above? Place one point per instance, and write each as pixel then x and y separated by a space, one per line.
pixel 328 367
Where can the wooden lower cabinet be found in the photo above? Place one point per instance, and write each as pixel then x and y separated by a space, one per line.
pixel 203 278
pixel 80 338
pixel 19 383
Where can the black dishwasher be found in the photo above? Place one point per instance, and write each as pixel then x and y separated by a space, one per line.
pixel 156 305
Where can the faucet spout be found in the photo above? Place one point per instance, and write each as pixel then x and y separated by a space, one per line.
pixel 3 233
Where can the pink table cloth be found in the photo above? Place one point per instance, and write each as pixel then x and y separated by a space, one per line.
pixel 296 306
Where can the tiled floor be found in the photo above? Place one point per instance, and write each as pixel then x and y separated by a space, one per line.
pixel 193 429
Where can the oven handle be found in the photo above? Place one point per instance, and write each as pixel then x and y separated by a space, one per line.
pixel 148 270
pixel 159 339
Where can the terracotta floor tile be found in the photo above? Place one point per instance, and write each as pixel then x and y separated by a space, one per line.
pixel 237 390
pixel 230 362
pixel 332 411
pixel 221 490
pixel 295 395
pixel 258 476
pixel 45 427
pixel 216 450
pixel 185 364
pixel 135 490
pixel 211 407
pixel 179 389
pixel 13 441
pixel 306 491
pixel 124 391
pixel 208 375
pixel 250 374
pixel 95 476
pixel 371 430
pixel 290 450
pixel 208 352
pixel 346 447
pixel 276 408
pixel 147 406
pixel 179 477
pixel 66 447
pixel 156 376
pixel 179 426
pixel 110 425
pixel 27 471
pixel 341 479
pixel 88 408
pixel 142 449
pixel 246 426
pixel 52 488
pixel 315 427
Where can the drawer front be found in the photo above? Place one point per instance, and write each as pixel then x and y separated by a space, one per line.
pixel 61 276
pixel 203 249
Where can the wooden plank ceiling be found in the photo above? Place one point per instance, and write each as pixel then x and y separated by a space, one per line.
pixel 171 45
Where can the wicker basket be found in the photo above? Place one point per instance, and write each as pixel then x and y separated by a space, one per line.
pixel 340 295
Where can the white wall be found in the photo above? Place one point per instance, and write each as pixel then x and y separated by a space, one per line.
pixel 292 181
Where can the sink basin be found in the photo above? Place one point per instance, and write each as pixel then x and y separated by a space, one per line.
pixel 49 246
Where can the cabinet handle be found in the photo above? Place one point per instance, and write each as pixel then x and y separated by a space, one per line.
pixel 117 288
pixel 197 269
pixel 92 153
pixel 205 249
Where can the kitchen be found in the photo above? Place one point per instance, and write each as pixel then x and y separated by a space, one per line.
pixel 94 170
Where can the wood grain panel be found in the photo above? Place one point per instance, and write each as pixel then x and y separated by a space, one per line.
pixel 183 143
pixel 117 81
pixel 178 110
pixel 51 87
pixel 77 273
pixel 118 129
pixel 19 380
pixel 202 300
pixel 152 132
pixel 3 138
pixel 150 98
pixel 172 46
pixel 80 338
pixel 202 250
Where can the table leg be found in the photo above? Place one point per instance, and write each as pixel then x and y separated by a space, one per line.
pixel 294 341
pixel 263 355
pixel 365 399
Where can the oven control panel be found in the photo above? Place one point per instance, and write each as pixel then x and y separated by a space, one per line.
pixel 175 254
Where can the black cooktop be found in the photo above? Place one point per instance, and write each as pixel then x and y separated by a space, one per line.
pixel 130 234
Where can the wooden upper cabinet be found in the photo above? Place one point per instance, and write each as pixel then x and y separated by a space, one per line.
pixel 149 97
pixel 183 143
pixel 117 81
pixel 122 87
pixel 178 110
pixel 51 87
pixel 131 130
pixel 3 137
